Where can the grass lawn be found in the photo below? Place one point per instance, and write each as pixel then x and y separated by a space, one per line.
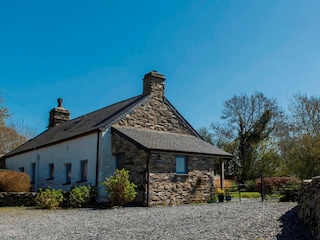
pixel 246 195
pixel 253 195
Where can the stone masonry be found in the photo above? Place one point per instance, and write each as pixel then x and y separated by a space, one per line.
pixel 135 160
pixel 17 199
pixel 309 205
pixel 165 186
pixel 155 114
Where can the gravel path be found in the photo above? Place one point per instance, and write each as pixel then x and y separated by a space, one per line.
pixel 234 220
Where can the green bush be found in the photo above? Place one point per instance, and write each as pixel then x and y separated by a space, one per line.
pixel 11 181
pixel 49 198
pixel 290 192
pixel 119 189
pixel 81 196
pixel 213 199
pixel 250 186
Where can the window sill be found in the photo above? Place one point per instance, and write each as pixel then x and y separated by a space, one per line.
pixel 67 183
pixel 49 178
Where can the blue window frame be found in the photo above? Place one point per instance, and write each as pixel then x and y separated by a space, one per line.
pixel 181 165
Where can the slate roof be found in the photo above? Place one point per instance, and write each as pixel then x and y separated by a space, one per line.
pixel 87 124
pixel 82 125
pixel 167 141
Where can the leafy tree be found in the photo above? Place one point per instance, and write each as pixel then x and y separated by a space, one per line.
pixel 300 148
pixel 248 122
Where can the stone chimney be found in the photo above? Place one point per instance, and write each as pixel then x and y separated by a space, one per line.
pixel 153 82
pixel 58 114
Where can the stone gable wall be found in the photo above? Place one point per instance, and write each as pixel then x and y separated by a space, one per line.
pixel 166 187
pixel 309 205
pixel 155 114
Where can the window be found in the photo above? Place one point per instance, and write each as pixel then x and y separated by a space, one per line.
pixel 33 172
pixel 84 170
pixel 21 169
pixel 181 165
pixel 68 173
pixel 51 171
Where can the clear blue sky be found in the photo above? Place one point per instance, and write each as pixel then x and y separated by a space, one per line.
pixel 95 53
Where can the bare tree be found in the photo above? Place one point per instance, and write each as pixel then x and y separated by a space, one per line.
pixel 248 121
pixel 11 135
pixel 205 134
pixel 305 113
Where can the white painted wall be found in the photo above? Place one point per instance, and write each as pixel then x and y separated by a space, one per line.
pixel 73 151
pixel 106 163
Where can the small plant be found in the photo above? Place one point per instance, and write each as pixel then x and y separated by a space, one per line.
pixel 213 199
pixel 119 189
pixel 81 196
pixel 49 198
pixel 219 191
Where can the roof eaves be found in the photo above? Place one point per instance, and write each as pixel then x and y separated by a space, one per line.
pixel 191 153
pixel 50 144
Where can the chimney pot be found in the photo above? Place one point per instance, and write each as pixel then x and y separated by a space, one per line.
pixel 58 114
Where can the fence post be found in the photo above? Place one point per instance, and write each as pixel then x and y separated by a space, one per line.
pixel 262 188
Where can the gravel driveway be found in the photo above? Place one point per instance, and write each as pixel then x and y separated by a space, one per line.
pixel 233 220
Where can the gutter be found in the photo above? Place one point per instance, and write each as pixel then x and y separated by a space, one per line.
pixel 148 179
pixel 98 156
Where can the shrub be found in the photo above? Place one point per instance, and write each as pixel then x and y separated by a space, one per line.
pixel 11 181
pixel 273 184
pixel 250 186
pixel 290 192
pixel 213 199
pixel 119 189
pixel 81 196
pixel 49 198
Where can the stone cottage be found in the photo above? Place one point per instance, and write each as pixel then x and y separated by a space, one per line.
pixel 167 159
